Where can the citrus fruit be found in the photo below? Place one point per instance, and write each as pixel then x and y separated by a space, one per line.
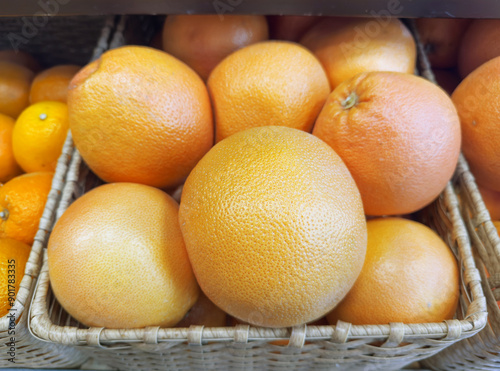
pixel 52 84
pixel 202 41
pixel 409 276
pixel 204 313
pixel 441 38
pixel 398 134
pixel 476 99
pixel 290 27
pixel 274 226
pixel 491 201
pixel 15 82
pixel 268 83
pixel 21 58
pixel 39 136
pixel 22 200
pixel 348 46
pixel 13 258
pixel 479 45
pixel 122 247
pixel 8 165
pixel 139 115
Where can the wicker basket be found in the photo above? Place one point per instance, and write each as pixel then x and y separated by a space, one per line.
pixel 53 40
pixel 482 351
pixel 343 346
pixel 30 351
pixel 27 350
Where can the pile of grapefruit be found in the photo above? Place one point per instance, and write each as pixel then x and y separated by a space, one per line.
pixel 284 136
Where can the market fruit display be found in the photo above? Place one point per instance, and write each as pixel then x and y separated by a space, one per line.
pixel 9 168
pixel 52 84
pixel 348 46
pixel 268 83
pixel 409 276
pixel 278 153
pixel 13 258
pixel 15 83
pixel 203 41
pixel 274 226
pixel 139 115
pixel 39 136
pixel 117 259
pixel 22 200
pixel 476 99
pixel 399 136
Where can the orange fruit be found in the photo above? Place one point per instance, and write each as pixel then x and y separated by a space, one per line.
pixel 13 258
pixel 409 276
pixel 441 38
pixel 290 27
pixel 15 82
pixel 151 127
pixel 202 41
pixel 476 99
pixel 269 83
pixel 447 79
pixel 204 313
pixel 52 84
pixel 8 165
pixel 492 202
pixel 21 58
pixel 349 46
pixel 398 134
pixel 22 200
pixel 39 136
pixel 274 226
pixel 479 45
pixel 122 247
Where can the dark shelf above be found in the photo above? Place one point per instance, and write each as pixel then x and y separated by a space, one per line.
pixel 399 8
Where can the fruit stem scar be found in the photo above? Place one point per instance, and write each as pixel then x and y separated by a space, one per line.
pixel 43 116
pixel 350 101
pixel 4 214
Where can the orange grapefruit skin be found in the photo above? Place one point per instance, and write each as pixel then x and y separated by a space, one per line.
pixel 274 226
pixel 117 259
pixel 140 115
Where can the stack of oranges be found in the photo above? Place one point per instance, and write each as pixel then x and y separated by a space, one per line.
pixel 281 150
pixel 33 128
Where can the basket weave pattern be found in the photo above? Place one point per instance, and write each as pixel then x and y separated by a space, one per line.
pixel 30 352
pixel 482 351
pixel 343 346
